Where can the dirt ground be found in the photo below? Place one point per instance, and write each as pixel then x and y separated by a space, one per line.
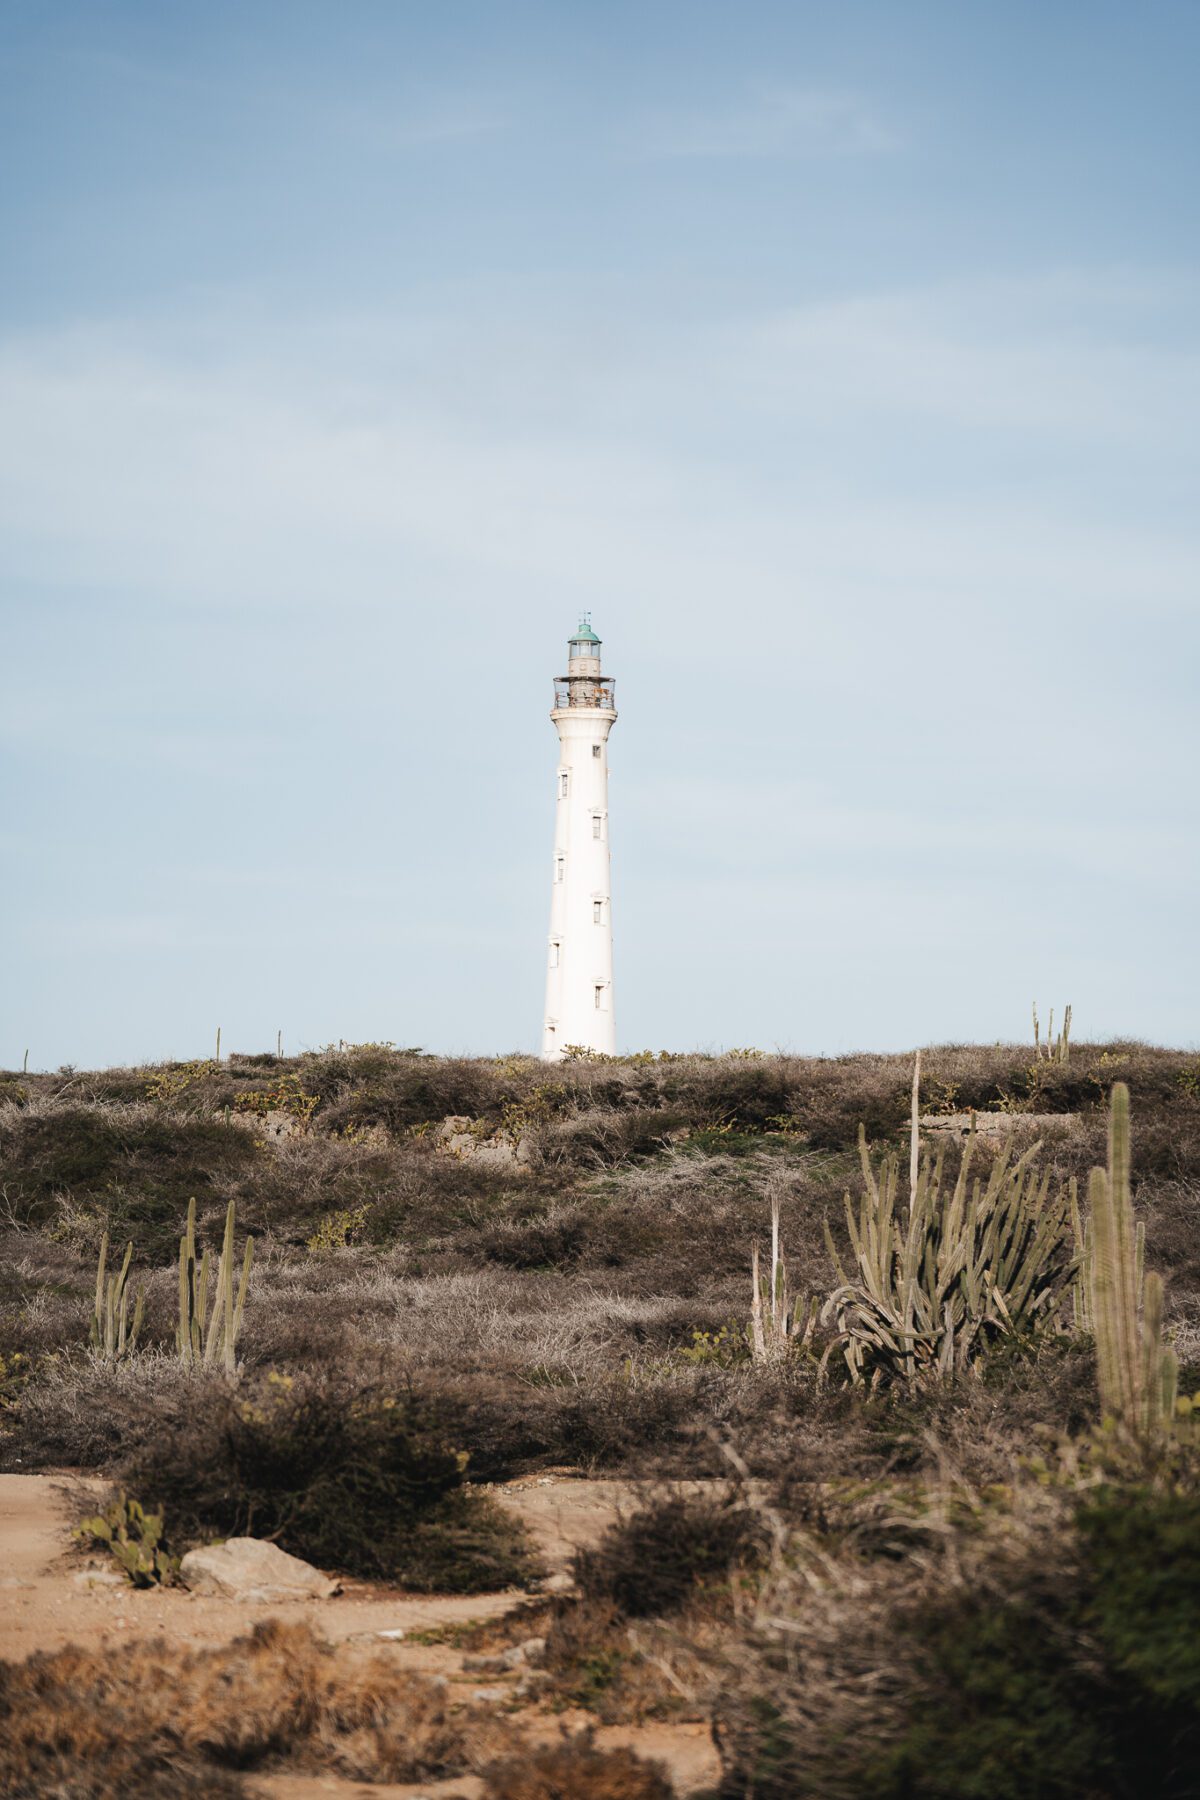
pixel 51 1595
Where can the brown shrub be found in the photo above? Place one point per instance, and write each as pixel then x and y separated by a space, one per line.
pixel 652 1563
pixel 576 1770
pixel 356 1478
pixel 163 1720
pixel 135 1166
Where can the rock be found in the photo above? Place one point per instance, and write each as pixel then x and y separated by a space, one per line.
pixel 252 1570
pixel 994 1124
pixel 517 1656
pixel 488 1694
pixel 460 1137
pixel 271 1126
pixel 534 1682
pixel 560 1582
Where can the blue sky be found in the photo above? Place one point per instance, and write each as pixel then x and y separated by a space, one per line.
pixel 843 360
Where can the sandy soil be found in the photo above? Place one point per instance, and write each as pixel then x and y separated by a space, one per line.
pixel 51 1596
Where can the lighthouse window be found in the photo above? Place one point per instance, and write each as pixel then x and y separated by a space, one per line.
pixel 596 825
pixel 559 867
pixel 562 785
pixel 554 954
pixel 598 912
pixel 599 990
pixel 596 748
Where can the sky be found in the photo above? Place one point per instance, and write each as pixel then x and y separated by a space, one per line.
pixel 842 359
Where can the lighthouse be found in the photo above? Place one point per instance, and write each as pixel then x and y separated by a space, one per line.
pixel 579 960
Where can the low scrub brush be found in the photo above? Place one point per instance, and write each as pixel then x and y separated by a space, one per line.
pixel 175 1722
pixel 576 1770
pixel 1049 1649
pixel 364 1482
pixel 652 1564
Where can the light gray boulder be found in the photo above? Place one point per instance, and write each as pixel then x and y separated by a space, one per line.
pixel 254 1571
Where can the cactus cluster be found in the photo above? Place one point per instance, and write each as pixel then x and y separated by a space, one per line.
pixel 930 1285
pixel 113 1334
pixel 1122 1305
pixel 133 1538
pixel 777 1323
pixel 200 1335
pixel 1054 1048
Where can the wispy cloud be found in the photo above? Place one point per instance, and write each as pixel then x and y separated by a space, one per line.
pixel 428 123
pixel 773 122
pixel 272 469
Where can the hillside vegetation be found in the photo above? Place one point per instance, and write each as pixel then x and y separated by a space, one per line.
pixel 917 1566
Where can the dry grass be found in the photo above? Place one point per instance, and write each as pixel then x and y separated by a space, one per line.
pixel 576 1770
pixel 158 1719
pixel 938 1641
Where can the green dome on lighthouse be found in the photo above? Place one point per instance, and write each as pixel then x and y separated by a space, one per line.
pixel 585 634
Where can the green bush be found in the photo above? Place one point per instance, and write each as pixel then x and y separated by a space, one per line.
pixel 1143 1604
pixel 1067 1671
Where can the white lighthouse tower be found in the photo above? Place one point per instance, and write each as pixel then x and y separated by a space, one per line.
pixel 579 963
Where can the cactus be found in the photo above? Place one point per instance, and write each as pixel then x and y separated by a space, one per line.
pixel 1138 1372
pixel 112 1336
pixel 199 1334
pixel 133 1537
pixel 1055 1049
pixel 929 1289
pixel 776 1324
pixel 1081 1287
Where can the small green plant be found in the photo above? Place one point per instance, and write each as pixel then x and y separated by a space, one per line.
pixel 538 1107
pixel 168 1083
pixel 595 1675
pixel 785 1125
pixel 287 1096
pixel 15 1370
pixel 113 1336
pixel 337 1229
pixel 199 1335
pixel 134 1539
pixel 944 1099
pixel 723 1349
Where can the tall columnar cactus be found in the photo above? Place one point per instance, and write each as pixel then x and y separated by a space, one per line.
pixel 1138 1372
pixel 113 1337
pixel 1081 1287
pixel 1055 1049
pixel 777 1324
pixel 199 1335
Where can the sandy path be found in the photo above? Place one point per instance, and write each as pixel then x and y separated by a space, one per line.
pixel 46 1600
pixel 50 1597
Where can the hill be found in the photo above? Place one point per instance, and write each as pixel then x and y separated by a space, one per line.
pixel 469 1271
